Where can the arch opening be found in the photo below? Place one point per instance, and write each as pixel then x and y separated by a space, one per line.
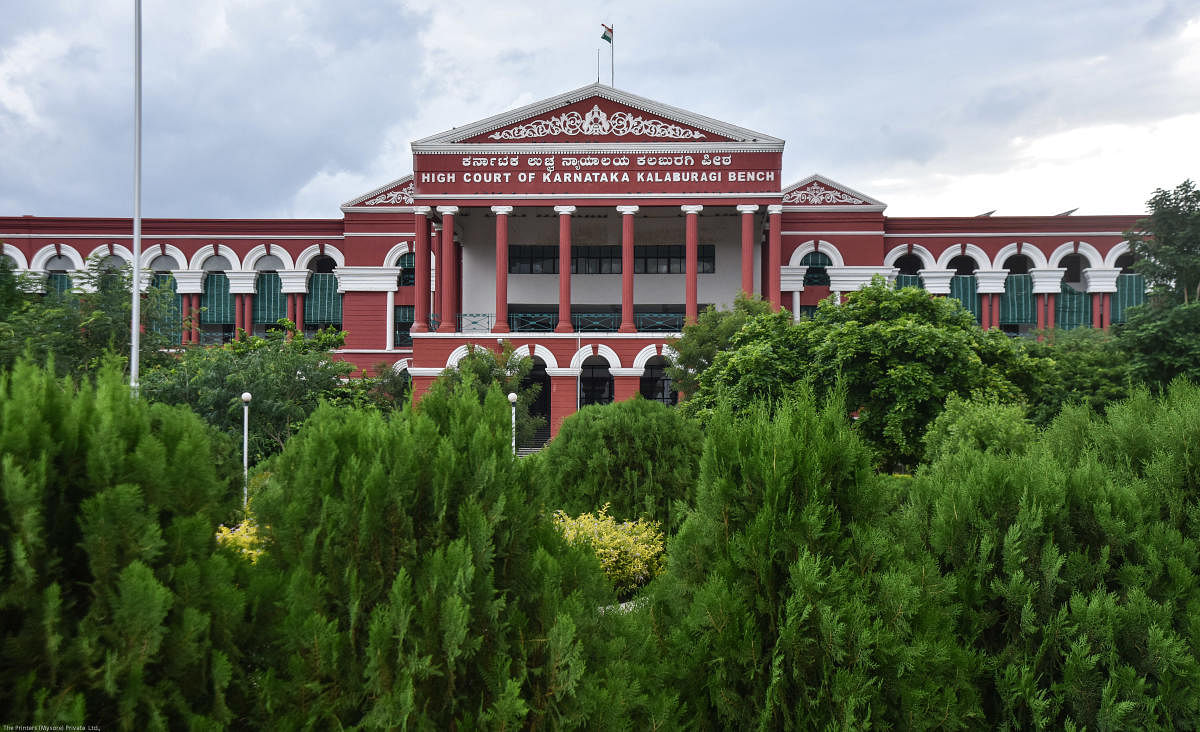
pixel 595 382
pixel 656 384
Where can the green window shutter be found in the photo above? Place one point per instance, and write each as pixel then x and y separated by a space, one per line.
pixel 1131 292
pixel 404 315
pixel 269 303
pixel 1016 304
pixel 1072 309
pixel 58 283
pixel 903 281
pixel 323 304
pixel 216 300
pixel 170 324
pixel 963 289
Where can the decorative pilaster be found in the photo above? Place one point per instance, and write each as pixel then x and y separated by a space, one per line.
pixel 564 269
pixel 501 323
pixel 747 211
pixel 189 284
pixel 1047 282
pixel 691 260
pixel 627 324
pixel 421 261
pixel 989 284
pixel 449 269
pixel 242 286
pixel 774 254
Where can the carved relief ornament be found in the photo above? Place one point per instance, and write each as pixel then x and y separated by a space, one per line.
pixel 816 194
pixel 402 196
pixel 596 122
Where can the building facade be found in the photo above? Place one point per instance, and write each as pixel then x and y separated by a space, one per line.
pixel 586 230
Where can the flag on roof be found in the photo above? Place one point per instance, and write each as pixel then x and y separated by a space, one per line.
pixel 607 34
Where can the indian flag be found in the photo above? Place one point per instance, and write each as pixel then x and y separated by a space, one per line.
pixel 607 34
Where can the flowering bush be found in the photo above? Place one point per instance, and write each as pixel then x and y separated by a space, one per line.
pixel 243 538
pixel 631 552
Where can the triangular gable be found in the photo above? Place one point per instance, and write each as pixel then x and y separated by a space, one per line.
pixel 397 193
pixel 596 113
pixel 818 192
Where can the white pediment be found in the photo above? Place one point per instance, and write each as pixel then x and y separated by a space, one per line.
pixel 821 193
pixel 606 112
pixel 394 195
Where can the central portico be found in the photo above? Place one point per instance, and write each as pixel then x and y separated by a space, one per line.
pixel 589 227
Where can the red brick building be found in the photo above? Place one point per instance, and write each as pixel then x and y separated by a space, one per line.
pixel 586 229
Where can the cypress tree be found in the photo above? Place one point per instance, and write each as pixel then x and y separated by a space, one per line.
pixel 422 585
pixel 116 608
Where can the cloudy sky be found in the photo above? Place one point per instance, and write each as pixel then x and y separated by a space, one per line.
pixel 267 108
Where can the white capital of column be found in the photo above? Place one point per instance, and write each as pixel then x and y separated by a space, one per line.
pixel 447 210
pixel 747 208
pixel 691 208
pixel 502 209
pixel 627 210
pixel 567 210
pixel 775 208
pixel 422 210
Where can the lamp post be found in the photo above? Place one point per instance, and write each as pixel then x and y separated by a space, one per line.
pixel 245 449
pixel 512 399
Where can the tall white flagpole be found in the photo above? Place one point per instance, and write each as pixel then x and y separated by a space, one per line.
pixel 135 318
pixel 611 53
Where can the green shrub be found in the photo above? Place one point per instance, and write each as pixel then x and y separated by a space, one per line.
pixel 630 552
pixel 116 607
pixel 978 423
pixel 638 456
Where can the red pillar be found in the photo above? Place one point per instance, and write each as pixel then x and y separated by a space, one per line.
pixel 449 322
pixel 775 254
pixel 1039 307
pixel 747 212
pixel 195 318
pixel 691 261
pixel 627 324
pixel 300 313
pixel 421 262
pixel 435 248
pixel 564 272
pixel 1107 309
pixel 1050 310
pixel 502 212
pixel 1097 310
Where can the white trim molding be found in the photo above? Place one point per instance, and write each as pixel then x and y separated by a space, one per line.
pixel 204 253
pixel 401 365
pixel 849 279
pixel 819 245
pixel 260 251
pixel 396 252
pixel 242 282
pixel 118 250
pixel 926 256
pixel 153 251
pixel 563 372
pixel 1117 251
pixel 1047 280
pixel 791 279
pixel 1101 279
pixel 367 279
pixel 990 281
pixel 537 350
pixel 45 254
pixel 1036 255
pixel 189 281
pixel 17 256
pixel 304 258
pixel 601 350
pixel 966 250
pixel 936 281
pixel 1090 254
pixel 294 281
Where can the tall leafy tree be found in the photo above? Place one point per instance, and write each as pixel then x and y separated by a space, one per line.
pixel 1166 244
pixel 483 369
pixel 712 333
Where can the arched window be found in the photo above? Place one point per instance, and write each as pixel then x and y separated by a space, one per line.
pixel 963 265
pixel 217 316
pixel 1018 264
pixel 595 382
pixel 1074 264
pixel 270 305
pixel 656 385
pixel 58 279
pixel 816 275
pixel 323 304
pixel 1125 262
pixel 170 324
pixel 909 264
pixel 408 269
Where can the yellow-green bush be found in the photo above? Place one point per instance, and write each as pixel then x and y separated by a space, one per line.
pixel 243 538
pixel 630 552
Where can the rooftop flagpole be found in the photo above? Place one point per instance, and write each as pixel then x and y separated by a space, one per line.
pixel 607 35
pixel 135 318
